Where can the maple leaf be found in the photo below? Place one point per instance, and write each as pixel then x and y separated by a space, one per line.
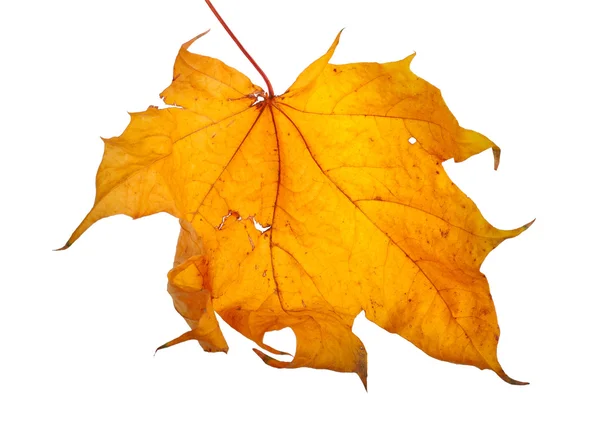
pixel 344 171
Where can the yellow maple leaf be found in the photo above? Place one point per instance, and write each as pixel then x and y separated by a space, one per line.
pixel 344 171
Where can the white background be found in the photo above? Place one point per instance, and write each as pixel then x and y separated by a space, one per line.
pixel 78 328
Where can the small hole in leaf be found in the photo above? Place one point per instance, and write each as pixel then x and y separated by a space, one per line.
pixel 223 219
pixel 412 140
pixel 258 99
pixel 258 226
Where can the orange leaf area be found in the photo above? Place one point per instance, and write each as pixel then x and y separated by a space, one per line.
pixel 344 171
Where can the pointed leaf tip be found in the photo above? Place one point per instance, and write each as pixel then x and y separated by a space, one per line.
pixel 363 379
pixel 64 247
pixel 519 230
pixel 159 348
pixel 496 152
pixel 264 357
pixel 509 380
pixel 187 44
pixel 182 338
pixel 529 224
pixel 410 58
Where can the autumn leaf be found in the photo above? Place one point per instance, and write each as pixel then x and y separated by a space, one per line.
pixel 344 174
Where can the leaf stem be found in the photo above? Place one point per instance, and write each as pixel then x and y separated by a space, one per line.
pixel 244 51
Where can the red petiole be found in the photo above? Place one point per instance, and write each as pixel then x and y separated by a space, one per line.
pixel 244 51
